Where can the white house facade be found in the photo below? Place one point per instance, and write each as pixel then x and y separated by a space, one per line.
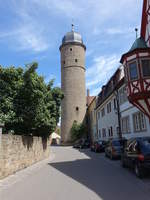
pixel 107 108
pixel 107 119
pixel 133 122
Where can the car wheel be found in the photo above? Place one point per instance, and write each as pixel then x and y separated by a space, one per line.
pixel 138 171
pixel 111 156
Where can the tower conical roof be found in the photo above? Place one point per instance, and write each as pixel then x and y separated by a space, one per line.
pixel 72 37
pixel 139 44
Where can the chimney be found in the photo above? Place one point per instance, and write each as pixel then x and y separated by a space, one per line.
pixel 88 92
pixel 103 89
pixel 88 96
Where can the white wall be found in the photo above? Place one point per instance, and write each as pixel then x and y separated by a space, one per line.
pixel 109 120
pixel 127 109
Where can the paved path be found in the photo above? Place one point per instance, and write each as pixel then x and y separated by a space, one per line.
pixel 75 175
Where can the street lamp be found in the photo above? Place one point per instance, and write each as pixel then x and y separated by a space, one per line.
pixel 118 114
pixel 136 64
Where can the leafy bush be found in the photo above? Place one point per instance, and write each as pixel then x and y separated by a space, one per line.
pixel 78 131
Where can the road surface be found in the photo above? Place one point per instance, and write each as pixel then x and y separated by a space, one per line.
pixel 71 174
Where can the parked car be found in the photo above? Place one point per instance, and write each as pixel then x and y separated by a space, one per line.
pixel 85 144
pixel 136 155
pixel 82 143
pixel 98 146
pixel 114 148
pixel 77 144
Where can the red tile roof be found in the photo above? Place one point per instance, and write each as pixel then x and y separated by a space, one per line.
pixel 89 99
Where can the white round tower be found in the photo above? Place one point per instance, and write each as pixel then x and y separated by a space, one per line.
pixel 73 107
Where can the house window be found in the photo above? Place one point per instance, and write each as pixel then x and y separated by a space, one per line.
pixel 91 116
pixel 133 71
pixel 111 131
pixel 115 104
pixel 146 68
pixel 98 115
pixel 125 125
pixel 109 107
pixel 122 95
pixel 103 112
pixel 104 132
pixel 99 133
pixel 139 122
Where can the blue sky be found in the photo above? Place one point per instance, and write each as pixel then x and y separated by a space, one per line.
pixel 32 30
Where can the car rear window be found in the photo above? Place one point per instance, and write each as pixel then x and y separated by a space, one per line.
pixel 146 145
pixel 116 143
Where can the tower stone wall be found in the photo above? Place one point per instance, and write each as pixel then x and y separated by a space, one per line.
pixel 73 105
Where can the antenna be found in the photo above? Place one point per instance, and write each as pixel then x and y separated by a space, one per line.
pixel 136 30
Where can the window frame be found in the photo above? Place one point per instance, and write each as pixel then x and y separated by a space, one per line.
pixel 103 112
pixel 142 59
pixel 109 107
pixel 122 95
pixel 125 125
pixel 140 118
pixel 129 63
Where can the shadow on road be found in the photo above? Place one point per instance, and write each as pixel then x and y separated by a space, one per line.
pixel 108 181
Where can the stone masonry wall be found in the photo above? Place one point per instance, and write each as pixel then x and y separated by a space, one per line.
pixel 18 152
pixel 73 105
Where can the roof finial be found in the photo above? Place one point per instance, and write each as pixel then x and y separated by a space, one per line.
pixel 136 30
pixel 72 25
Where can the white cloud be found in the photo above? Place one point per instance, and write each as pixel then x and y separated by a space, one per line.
pixel 91 15
pixel 8 34
pixel 89 52
pixel 26 33
pixel 68 8
pixel 30 39
pixel 99 73
pixel 49 78
pixel 126 31
pixel 95 91
pixel 24 37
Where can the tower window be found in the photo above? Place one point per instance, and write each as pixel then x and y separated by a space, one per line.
pixel 77 108
pixel 70 49
pixel 64 61
pixel 76 60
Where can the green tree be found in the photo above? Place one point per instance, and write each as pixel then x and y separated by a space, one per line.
pixel 34 106
pixel 11 79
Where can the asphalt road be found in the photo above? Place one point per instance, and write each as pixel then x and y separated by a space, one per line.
pixel 70 174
